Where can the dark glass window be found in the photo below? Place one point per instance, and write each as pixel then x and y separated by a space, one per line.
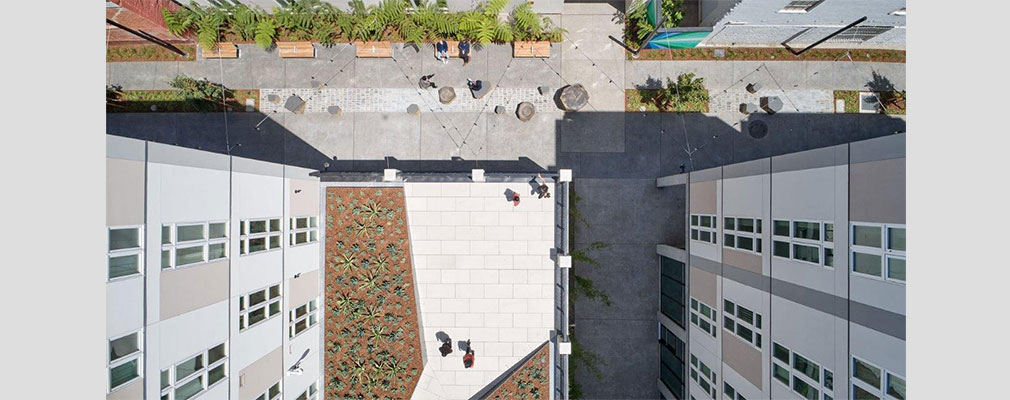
pixel 672 361
pixel 672 290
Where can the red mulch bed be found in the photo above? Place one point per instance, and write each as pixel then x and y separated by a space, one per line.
pixel 531 381
pixel 373 343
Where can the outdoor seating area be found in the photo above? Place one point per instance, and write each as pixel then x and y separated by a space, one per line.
pixel 538 49
pixel 296 50
pixel 373 49
pixel 222 50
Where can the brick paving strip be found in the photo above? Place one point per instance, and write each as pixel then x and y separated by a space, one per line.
pixel 398 99
pixel 793 101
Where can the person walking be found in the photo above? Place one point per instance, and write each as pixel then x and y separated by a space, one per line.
pixel 442 47
pixel 468 357
pixel 425 82
pixel 542 190
pixel 515 199
pixel 464 51
pixel 474 85
pixel 446 347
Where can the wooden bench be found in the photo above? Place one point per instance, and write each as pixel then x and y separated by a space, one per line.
pixel 531 49
pixel 296 50
pixel 453 48
pixel 373 49
pixel 222 50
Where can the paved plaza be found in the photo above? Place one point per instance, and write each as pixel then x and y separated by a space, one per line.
pixel 484 273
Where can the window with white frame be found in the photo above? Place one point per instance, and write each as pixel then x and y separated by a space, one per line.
pixel 126 251
pixel 703 228
pixel 195 374
pixel 873 382
pixel 804 377
pixel 310 393
pixel 703 375
pixel 800 6
pixel 125 354
pixel 742 322
pixel 303 230
pixel 303 317
pixel 185 244
pixel 742 233
pixel 728 392
pixel 878 251
pixel 258 306
pixel 256 235
pixel 860 33
pixel 273 393
pixel 810 242
pixel 703 316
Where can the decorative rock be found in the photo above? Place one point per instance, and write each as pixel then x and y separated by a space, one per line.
pixel 499 109
pixel 544 90
pixel 748 108
pixel 771 104
pixel 525 111
pixel 315 84
pixel 446 94
pixel 753 87
pixel 273 98
pixel 574 97
pixel 335 111
pixel 295 104
pixel 413 109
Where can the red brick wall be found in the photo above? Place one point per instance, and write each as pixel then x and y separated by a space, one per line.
pixel 149 9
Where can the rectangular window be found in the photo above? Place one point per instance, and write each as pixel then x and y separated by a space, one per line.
pixel 124 265
pixel 187 233
pixel 896 239
pixel 194 375
pixel 829 257
pixel 829 379
pixel 189 389
pixel 218 230
pixel 124 238
pixel 729 240
pixel 258 305
pixel 829 232
pixel 896 269
pixel 673 290
pixel 704 228
pixel 780 249
pixel 745 243
pixel 805 390
pixel 895 386
pixel 807 230
pixel 703 316
pixel 745 224
pixel 193 243
pixel 806 367
pixel 303 230
pixel 867 236
pixel 125 255
pixel 263 235
pixel 866 263
pixel 780 352
pixel 866 372
pixel 729 223
pixel 302 318
pixel 125 354
pixel 859 393
pixel 780 228
pixel 123 347
pixel 123 373
pixel 800 6
pixel 809 254
pixel 780 373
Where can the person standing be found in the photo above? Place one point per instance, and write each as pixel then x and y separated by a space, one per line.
pixel 515 199
pixel 464 51
pixel 542 190
pixel 468 357
pixel 446 347
pixel 425 82
pixel 442 47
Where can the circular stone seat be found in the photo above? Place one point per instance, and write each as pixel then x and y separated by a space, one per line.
pixel 446 94
pixel 525 111
pixel 574 97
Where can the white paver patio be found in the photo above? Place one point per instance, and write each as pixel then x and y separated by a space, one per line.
pixel 484 273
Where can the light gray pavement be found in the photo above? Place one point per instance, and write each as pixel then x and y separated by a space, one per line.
pixel 615 156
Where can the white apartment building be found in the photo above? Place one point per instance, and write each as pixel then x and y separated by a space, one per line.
pixel 213 276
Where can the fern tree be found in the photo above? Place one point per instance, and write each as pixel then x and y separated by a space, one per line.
pixel 209 24
pixel 266 33
pixel 525 22
pixel 244 20
pixel 681 94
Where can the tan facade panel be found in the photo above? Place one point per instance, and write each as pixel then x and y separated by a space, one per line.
pixel 703 287
pixel 877 191
pixel 260 375
pixel 304 197
pixel 742 357
pixel 132 391
pixel 191 288
pixel 124 192
pixel 743 260
pixel 703 198
pixel 303 288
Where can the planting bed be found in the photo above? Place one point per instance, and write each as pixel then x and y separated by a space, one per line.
pixel 771 54
pixel 530 381
pixel 635 98
pixel 140 101
pixel 148 53
pixel 373 346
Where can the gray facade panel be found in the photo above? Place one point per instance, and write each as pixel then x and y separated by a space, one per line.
pixel 760 166
pixel 756 281
pixel 256 167
pixel 125 148
pixel 879 320
pixel 816 158
pixel 820 301
pixel 706 175
pixel 877 191
pixel 876 149
pixel 706 265
pixel 174 155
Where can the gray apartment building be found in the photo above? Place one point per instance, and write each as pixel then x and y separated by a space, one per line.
pixel 792 283
pixel 800 23
pixel 213 276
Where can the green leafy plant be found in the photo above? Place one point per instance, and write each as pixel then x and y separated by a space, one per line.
pixel 637 22
pixel 672 11
pixel 199 89
pixel 687 93
pixel 266 33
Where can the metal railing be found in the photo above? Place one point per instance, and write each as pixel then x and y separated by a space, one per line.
pixel 561 321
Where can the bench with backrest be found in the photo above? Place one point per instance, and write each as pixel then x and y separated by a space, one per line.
pixel 453 48
pixel 373 49
pixel 221 50
pixel 296 50
pixel 531 49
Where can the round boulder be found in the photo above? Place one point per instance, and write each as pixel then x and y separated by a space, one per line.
pixel 574 97
pixel 525 111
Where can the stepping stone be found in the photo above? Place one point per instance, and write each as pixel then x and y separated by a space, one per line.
pixel 295 104
pixel 544 90
pixel 771 104
pixel 748 108
pixel 315 84
pixel 753 87
pixel 335 111
pixel 525 111
pixel 413 109
pixel 499 109
pixel 574 97
pixel 446 94
pixel 273 98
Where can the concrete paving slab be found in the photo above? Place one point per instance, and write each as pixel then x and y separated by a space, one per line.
pixel 329 135
pixel 380 135
pixel 442 135
pixel 143 75
pixel 508 138
pixel 268 73
pixel 383 73
pixel 592 132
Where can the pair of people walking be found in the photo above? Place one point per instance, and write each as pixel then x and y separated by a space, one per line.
pixel 446 349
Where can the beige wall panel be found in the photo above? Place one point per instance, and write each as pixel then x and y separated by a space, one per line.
pixel 743 260
pixel 124 192
pixel 132 391
pixel 877 191
pixel 303 288
pixel 260 375
pixel 743 358
pixel 703 195
pixel 703 287
pixel 191 288
pixel 306 201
